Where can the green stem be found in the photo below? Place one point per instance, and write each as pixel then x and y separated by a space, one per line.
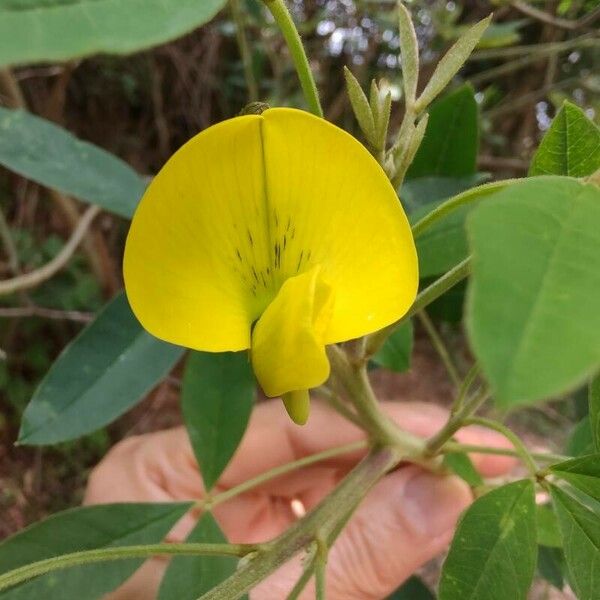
pixel 303 581
pixel 16 576
pixel 337 404
pixel 321 521
pixel 210 503
pixel 284 20
pixel 472 195
pixel 440 347
pixel 475 449
pixel 465 387
pixel 514 439
pixel 455 422
pixel 439 287
pixel 244 47
pixel 320 569
pixel 380 427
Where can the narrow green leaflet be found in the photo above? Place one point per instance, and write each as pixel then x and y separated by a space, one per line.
pixel 412 589
pixel 451 141
pixel 452 61
pixel 460 464
pixel 217 399
pixel 108 368
pixel 188 577
pixel 551 565
pixel 582 473
pixel 580 528
pixel 494 551
pixel 51 156
pixel 594 409
pixel 40 31
pixel 396 353
pixel 570 147
pixel 92 527
pixel 532 311
pixel 548 533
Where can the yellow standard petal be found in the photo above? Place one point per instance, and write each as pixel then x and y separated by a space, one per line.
pixel 288 347
pixel 280 220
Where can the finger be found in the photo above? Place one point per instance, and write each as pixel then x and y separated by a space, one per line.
pixel 407 519
pixel 273 440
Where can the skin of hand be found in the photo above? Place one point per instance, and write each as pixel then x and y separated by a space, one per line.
pixel 407 519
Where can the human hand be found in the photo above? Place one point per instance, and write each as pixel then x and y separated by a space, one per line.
pixel 406 520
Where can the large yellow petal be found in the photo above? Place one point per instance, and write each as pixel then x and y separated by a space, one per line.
pixel 195 255
pixel 256 200
pixel 333 205
pixel 288 349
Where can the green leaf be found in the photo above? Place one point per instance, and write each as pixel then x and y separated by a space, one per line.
pixel 571 145
pixel 188 577
pixel 494 551
pixel 460 464
pixel 532 312
pixel 412 589
pixel 217 399
pixel 79 529
pixel 594 405
pixel 452 62
pixel 51 156
pixel 104 371
pixel 396 353
pixel 582 473
pixel 551 565
pixel 451 141
pixel 40 31
pixel 360 106
pixel 580 528
pixel 580 440
pixel 409 54
pixel 548 533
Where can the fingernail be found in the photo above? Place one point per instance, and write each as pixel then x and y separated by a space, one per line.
pixel 433 504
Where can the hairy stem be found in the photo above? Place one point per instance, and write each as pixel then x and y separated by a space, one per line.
pixel 320 569
pixel 440 347
pixel 320 522
pixel 455 422
pixel 475 449
pixel 472 195
pixel 514 439
pixel 86 557
pixel 284 20
pixel 465 387
pixel 210 503
pixel 382 430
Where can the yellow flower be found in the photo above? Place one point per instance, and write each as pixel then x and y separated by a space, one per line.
pixel 276 232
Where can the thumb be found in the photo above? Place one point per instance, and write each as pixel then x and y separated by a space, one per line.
pixel 408 519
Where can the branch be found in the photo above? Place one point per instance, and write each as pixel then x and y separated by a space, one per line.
pixel 544 17
pixel 209 503
pixel 87 557
pixel 45 313
pixel 29 280
pixel 320 522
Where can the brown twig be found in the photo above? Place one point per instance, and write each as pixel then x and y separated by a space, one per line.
pixel 544 17
pixel 34 278
pixel 45 313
